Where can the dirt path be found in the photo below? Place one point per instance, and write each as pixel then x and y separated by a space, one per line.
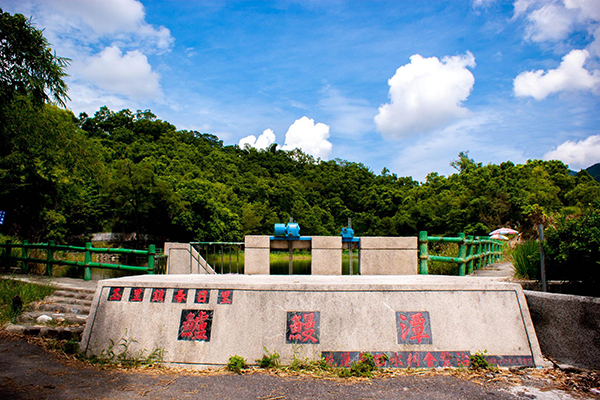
pixel 28 371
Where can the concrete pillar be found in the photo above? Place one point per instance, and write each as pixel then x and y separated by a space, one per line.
pixel 256 258
pixel 326 255
pixel 180 260
pixel 388 255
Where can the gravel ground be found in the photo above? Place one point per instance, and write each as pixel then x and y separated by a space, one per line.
pixel 29 371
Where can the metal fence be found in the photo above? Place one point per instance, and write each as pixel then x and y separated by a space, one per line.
pixel 222 257
pixel 473 252
pixel 156 262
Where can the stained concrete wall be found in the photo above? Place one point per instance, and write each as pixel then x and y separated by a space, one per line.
pixel 388 255
pixel 202 320
pixel 567 327
pixel 185 259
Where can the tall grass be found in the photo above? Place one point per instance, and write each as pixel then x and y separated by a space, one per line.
pixel 28 293
pixel 525 258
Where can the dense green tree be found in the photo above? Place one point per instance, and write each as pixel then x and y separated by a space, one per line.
pixel 27 64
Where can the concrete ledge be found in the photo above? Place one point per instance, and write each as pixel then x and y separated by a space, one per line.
pixel 327 242
pixel 416 321
pixel 392 243
pixel 256 242
pixel 567 326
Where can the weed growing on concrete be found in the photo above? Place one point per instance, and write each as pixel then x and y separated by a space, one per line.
pixel 479 362
pixel 121 355
pixel 364 367
pixel 237 364
pixel 269 360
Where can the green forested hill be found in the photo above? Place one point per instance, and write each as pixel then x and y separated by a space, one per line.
pixel 62 176
pixel 594 171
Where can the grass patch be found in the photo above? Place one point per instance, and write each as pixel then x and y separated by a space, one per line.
pixel 269 360
pixel 120 354
pixel 525 259
pixel 27 292
pixel 237 364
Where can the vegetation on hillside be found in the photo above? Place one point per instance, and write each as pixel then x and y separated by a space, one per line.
pixel 63 177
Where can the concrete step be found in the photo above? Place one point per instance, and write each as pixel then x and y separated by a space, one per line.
pixel 68 300
pixel 61 333
pixel 83 294
pixel 60 308
pixel 31 317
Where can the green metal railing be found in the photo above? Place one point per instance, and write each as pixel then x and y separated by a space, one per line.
pixel 482 250
pixel 223 257
pixel 157 263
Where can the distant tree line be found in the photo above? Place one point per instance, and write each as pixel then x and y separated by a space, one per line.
pixel 63 176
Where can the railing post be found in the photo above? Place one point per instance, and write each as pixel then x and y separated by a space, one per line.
pixel 24 267
pixel 87 272
pixel 462 252
pixel 470 254
pixel 151 254
pixel 479 253
pixel 423 253
pixel 50 257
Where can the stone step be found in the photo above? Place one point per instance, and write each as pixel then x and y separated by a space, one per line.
pixel 61 333
pixel 72 319
pixel 83 294
pixel 60 308
pixel 68 300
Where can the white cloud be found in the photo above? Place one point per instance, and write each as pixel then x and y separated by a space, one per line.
pixel 309 137
pixel 127 74
pixel 266 139
pixel 555 20
pixel 570 75
pixel 353 117
pixel 577 155
pixel 550 22
pixel 88 99
pixel 426 94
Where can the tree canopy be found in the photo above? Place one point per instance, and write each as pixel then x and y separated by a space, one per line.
pixel 27 64
pixel 124 171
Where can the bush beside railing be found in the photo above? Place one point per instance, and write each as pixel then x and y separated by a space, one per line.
pixel 156 262
pixel 482 250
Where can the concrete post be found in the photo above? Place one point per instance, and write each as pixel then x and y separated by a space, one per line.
pixel 326 255
pixel 257 250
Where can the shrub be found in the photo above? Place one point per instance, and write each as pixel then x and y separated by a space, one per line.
pixel 525 258
pixel 573 249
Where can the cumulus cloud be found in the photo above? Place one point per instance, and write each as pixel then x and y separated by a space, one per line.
pixel 127 74
pixel 426 94
pixel 309 137
pixel 554 20
pixel 570 75
pixel 579 154
pixel 266 139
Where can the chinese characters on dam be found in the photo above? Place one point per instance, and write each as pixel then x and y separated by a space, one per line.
pixel 413 328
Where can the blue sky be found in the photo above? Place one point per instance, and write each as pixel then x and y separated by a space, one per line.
pixel 404 85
